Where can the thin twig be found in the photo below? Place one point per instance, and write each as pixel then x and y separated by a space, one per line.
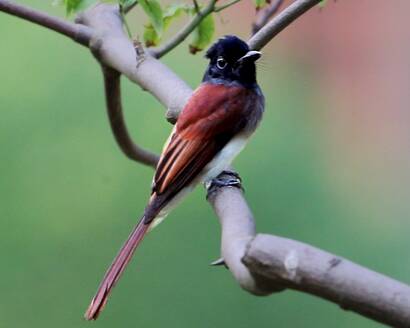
pixel 265 14
pixel 196 6
pixel 128 8
pixel 124 20
pixel 280 22
pixel 183 34
pixel 117 122
pixel 227 5
pixel 78 33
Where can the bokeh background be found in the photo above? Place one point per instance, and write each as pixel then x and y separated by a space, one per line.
pixel 329 166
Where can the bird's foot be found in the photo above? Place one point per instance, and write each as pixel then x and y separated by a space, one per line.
pixel 224 179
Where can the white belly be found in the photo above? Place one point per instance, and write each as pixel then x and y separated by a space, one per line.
pixel 217 165
pixel 224 158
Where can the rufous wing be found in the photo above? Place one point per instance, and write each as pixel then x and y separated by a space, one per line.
pixel 213 115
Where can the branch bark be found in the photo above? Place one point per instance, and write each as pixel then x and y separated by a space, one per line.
pixel 308 269
pixel 78 33
pixel 265 14
pixel 118 127
pixel 112 48
pixel 280 22
pixel 261 264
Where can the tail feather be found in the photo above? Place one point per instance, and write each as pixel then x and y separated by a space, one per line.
pixel 116 269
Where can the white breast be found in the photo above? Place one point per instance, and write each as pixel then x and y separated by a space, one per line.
pixel 217 165
pixel 225 157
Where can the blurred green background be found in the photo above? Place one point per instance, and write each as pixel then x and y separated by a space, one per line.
pixel 329 166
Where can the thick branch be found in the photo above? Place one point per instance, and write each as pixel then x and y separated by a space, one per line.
pixel 78 33
pixel 117 123
pixel 263 264
pixel 112 48
pixel 280 22
pixel 308 269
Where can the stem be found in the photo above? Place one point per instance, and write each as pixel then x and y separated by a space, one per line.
pixel 227 5
pixel 127 28
pixel 182 35
pixel 265 15
pixel 280 22
pixel 128 8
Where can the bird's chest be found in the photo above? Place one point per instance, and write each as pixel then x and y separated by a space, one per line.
pixel 224 158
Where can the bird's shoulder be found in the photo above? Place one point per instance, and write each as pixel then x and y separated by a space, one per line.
pixel 213 108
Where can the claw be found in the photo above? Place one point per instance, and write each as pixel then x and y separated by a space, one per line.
pixel 219 262
pixel 234 180
pixel 225 179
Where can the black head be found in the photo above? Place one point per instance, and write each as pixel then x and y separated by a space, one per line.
pixel 231 61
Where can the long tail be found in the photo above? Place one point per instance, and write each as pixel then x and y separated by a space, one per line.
pixel 116 269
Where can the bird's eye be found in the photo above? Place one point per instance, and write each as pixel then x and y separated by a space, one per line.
pixel 221 63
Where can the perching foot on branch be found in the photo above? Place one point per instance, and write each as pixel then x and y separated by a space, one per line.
pixel 225 179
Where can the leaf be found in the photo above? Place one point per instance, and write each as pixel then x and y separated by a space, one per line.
pixel 151 37
pixel 322 3
pixel 260 3
pixel 173 11
pixel 72 6
pixel 202 35
pixel 153 10
pixel 126 3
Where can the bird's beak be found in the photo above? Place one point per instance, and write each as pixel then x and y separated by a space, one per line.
pixel 250 56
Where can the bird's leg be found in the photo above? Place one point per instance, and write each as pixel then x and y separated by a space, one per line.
pixel 224 179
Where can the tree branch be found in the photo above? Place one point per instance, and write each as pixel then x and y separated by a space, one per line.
pixel 226 5
pixel 261 264
pixel 78 33
pixel 183 34
pixel 112 48
pixel 308 269
pixel 117 123
pixel 280 22
pixel 265 14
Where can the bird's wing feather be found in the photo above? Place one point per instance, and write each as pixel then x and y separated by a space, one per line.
pixel 204 127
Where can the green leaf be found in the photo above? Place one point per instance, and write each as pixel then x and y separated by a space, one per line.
pixel 170 13
pixel 72 6
pixel 151 37
pixel 202 35
pixel 153 10
pixel 126 3
pixel 322 3
pixel 174 11
pixel 260 3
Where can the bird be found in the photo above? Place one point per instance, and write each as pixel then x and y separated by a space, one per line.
pixel 212 128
